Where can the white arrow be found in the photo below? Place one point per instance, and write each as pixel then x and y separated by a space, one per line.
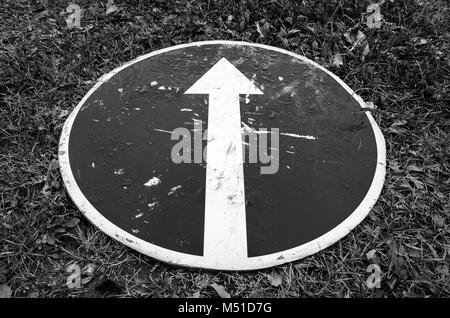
pixel 225 237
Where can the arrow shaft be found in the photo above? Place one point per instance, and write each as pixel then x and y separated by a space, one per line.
pixel 225 237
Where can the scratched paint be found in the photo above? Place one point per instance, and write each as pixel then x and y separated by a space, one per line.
pixel 152 182
pixel 328 152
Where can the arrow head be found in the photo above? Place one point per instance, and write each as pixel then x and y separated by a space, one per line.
pixel 223 77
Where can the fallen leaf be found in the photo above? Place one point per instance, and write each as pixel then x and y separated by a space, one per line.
pixel 266 28
pixel 392 282
pixel 34 294
pixel 355 38
pixel 46 190
pixel 371 105
pixel 419 185
pixel 438 220
pixel 72 222
pixel 401 122
pixel 5 291
pixel 396 260
pixel 46 239
pixel 414 168
pixel 258 29
pixel 55 184
pixel 86 280
pixel 259 293
pixel 263 27
pixel 374 19
pixel 220 290
pixel 111 7
pixel 63 113
pixel 442 269
pixel 414 252
pixel 371 254
pixel 275 279
pixel 54 164
pixel 11 127
pixel 195 295
pixel 360 36
pixel 337 60
pixel 89 269
pixel 301 266
pixel 365 51
pixel 394 166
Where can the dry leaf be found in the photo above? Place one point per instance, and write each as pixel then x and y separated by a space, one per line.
pixel 46 190
pixel 263 27
pixel 301 266
pixel 355 39
pixel 414 168
pixel 442 269
pixel 414 252
pixel 220 290
pixel 195 295
pixel 259 293
pixel 371 105
pixel 438 220
pixel 366 51
pixel 63 113
pixel 34 294
pixel 72 222
pixel 401 122
pixel 111 7
pixel 371 254
pixel 337 60
pixel 275 279
pixel 86 280
pixel 394 166
pixel 54 164
pixel 89 269
pixel 5 291
pixel 417 183
pixel 258 28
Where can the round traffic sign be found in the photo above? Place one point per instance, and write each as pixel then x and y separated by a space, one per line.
pixel 223 155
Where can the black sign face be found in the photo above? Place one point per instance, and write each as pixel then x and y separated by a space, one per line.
pixel 223 155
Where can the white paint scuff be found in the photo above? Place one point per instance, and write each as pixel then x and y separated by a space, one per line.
pixel 299 136
pixel 152 205
pixel 152 182
pixel 137 216
pixel 119 171
pixel 172 190
pixel 162 130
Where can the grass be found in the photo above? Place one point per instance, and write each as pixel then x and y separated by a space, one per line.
pixel 45 69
